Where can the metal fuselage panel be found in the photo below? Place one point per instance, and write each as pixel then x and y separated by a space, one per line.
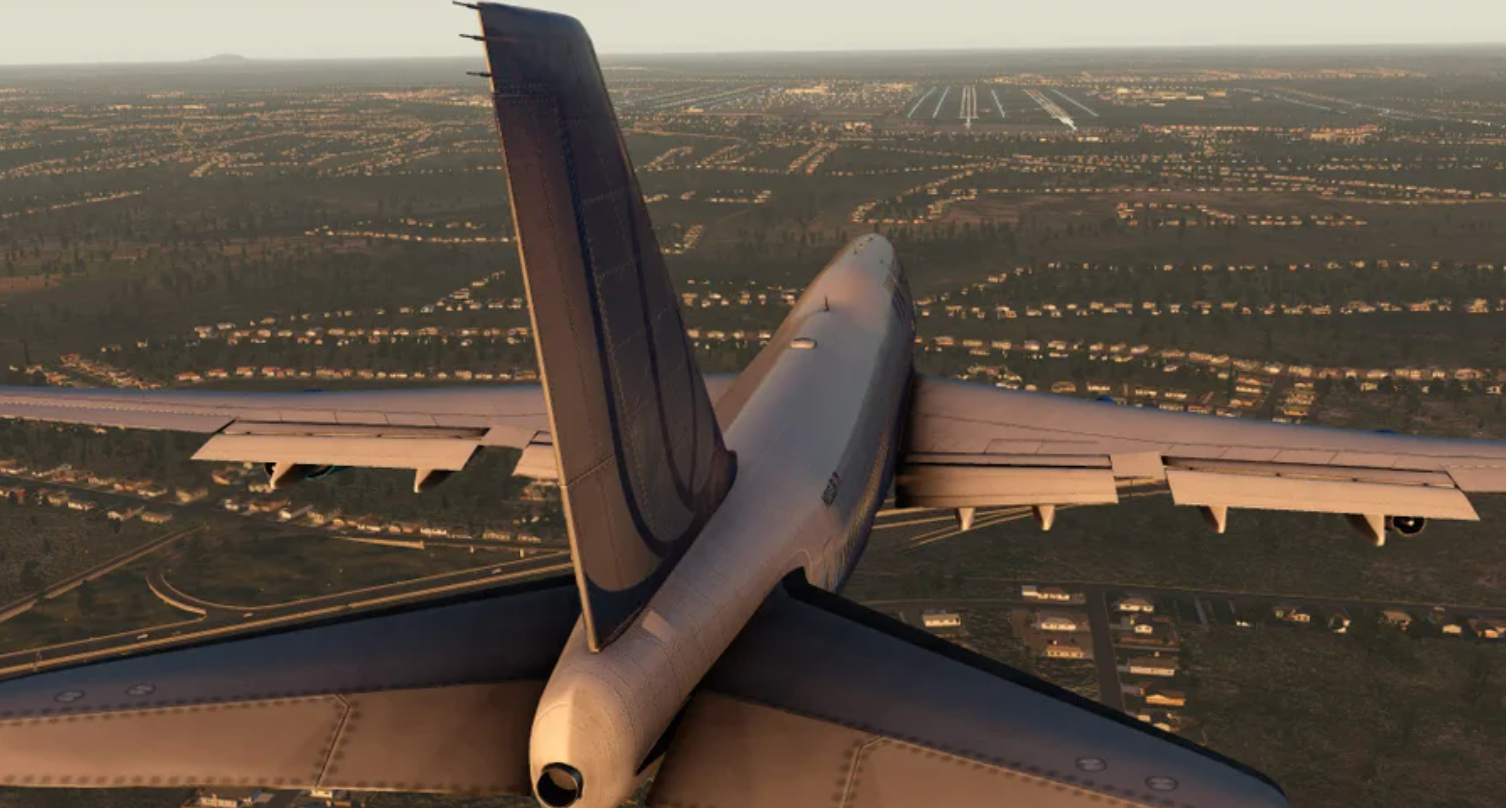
pixel 814 422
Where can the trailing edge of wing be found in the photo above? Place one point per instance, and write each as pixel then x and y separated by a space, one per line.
pixel 821 702
pixel 970 445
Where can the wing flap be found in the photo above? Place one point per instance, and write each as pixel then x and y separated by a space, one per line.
pixel 942 485
pixel 445 454
pixel 823 702
pixel 1212 489
pixel 271 427
pixel 1214 463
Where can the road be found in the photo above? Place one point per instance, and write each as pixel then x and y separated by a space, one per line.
pixel 224 619
pixel 67 585
pixel 1109 691
pixel 1154 590
pixel 365 596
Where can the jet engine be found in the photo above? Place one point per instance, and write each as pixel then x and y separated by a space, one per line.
pixel 1407 525
pixel 283 475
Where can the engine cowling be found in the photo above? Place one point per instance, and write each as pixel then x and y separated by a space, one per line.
pixel 283 475
pixel 1407 525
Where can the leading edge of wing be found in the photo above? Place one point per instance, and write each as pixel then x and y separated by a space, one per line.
pixel 840 696
pixel 437 696
pixel 947 413
pixel 210 411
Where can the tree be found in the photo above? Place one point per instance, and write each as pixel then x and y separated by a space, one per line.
pixel 31 576
pixel 88 602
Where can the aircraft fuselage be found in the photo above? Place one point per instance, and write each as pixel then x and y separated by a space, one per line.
pixel 815 422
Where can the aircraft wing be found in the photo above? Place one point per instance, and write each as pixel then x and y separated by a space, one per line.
pixel 822 702
pixel 972 445
pixel 437 697
pixel 427 429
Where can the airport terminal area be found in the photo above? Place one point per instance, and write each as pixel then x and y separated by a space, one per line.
pixel 1294 235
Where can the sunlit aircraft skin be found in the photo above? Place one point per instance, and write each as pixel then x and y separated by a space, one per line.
pixel 815 429
pixel 700 640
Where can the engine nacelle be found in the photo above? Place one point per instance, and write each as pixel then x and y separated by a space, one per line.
pixel 282 475
pixel 1407 525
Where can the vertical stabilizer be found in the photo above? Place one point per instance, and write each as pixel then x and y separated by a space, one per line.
pixel 642 462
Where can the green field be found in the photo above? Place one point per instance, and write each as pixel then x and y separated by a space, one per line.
pixel 116 603
pixel 1360 720
pixel 278 568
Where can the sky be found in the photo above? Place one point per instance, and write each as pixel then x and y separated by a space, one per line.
pixel 96 31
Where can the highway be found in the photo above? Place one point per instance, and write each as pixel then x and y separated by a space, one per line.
pixel 216 620
pixel 25 604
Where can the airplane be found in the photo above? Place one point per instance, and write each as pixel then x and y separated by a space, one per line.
pixel 701 653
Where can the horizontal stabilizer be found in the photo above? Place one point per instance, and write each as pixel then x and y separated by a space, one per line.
pixel 823 702
pixel 434 698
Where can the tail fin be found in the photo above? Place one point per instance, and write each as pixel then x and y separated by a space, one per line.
pixel 642 462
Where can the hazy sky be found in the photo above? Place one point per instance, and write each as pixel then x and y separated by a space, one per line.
pixel 74 31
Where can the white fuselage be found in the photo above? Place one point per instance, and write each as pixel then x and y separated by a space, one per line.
pixel 815 428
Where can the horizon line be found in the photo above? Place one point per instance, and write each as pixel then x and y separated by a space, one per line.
pixel 231 60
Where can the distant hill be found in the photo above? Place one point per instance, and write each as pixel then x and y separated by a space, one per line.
pixel 223 59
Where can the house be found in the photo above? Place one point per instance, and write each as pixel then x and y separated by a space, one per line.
pixel 1161 697
pixel 330 798
pixel 1488 628
pixel 1395 618
pixel 1055 649
pixel 1153 666
pixel 1288 613
pixel 937 618
pixel 1049 593
pixel 538 491
pixel 229 797
pixel 1160 719
pixel 124 514
pixel 1057 621
pixel 1338 621
pixel 84 505
pixel 1134 604
pixel 156 517
pixel 187 495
